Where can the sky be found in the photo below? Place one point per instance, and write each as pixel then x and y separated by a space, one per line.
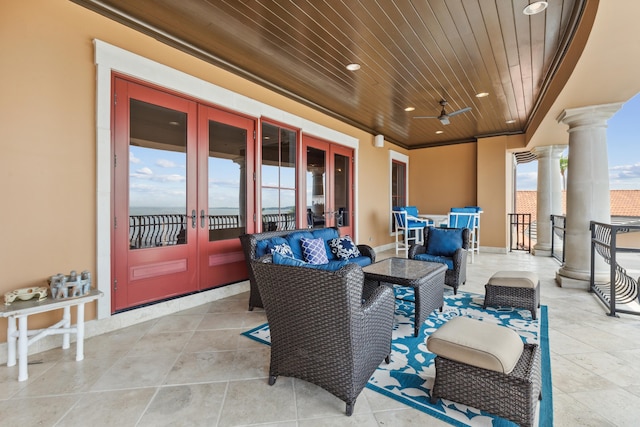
pixel 623 151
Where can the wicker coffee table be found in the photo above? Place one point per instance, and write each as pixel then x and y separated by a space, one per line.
pixel 426 278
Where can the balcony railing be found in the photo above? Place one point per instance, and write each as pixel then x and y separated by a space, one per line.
pixel 622 289
pixel 557 237
pixel 519 232
pixel 150 231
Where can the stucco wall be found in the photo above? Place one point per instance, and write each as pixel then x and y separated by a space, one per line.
pixel 443 177
pixel 48 137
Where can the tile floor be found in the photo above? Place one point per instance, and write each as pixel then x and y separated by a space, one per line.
pixel 194 368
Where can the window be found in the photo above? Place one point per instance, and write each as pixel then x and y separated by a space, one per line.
pixel 278 178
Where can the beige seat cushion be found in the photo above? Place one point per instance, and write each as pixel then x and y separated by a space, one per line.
pixel 481 344
pixel 514 279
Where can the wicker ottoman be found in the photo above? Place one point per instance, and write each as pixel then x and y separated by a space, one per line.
pixel 486 366
pixel 515 289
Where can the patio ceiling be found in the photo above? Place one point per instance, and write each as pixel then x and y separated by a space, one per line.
pixel 412 53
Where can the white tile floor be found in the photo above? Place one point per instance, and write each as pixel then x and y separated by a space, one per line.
pixel 194 368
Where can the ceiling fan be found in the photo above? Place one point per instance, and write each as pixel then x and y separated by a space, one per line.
pixel 444 116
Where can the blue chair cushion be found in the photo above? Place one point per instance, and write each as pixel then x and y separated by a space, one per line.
pixel 434 258
pixel 296 245
pixel 330 266
pixel 264 247
pixel 444 241
pixel 362 260
pixel 415 224
pixel 411 211
pixel 468 209
pixel 314 251
pixel 344 248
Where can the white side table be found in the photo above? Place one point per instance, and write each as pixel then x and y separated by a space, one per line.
pixel 24 337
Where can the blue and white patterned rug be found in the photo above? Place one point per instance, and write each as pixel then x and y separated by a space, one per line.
pixel 410 374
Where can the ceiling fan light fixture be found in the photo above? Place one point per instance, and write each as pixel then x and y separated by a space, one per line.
pixel 535 7
pixel 353 66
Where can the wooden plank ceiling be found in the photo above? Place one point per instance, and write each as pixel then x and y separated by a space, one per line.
pixel 412 53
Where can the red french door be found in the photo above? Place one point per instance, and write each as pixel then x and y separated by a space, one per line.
pixel 225 196
pixel 180 195
pixel 329 184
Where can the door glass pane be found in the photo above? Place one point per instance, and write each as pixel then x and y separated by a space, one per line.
pixel 227 181
pixel 316 185
pixel 341 191
pixel 278 178
pixel 157 176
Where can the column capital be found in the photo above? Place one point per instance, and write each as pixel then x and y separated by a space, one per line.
pixel 549 150
pixel 591 116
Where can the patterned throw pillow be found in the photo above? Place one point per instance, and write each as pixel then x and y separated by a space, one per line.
pixel 283 249
pixel 314 251
pixel 344 248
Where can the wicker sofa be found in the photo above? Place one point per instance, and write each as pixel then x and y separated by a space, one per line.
pixel 257 245
pixel 324 328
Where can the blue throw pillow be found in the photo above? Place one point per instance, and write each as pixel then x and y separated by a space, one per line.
pixel 444 241
pixel 265 246
pixel 283 249
pixel 294 240
pixel 314 251
pixel 344 248
pixel 326 234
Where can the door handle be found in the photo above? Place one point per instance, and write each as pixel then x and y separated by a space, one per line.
pixel 202 218
pixel 193 218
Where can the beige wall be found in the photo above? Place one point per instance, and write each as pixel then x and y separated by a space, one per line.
pixel 495 188
pixel 48 137
pixel 442 177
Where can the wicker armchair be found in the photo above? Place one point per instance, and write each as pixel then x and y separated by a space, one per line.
pixel 250 242
pixel 321 330
pixel 456 274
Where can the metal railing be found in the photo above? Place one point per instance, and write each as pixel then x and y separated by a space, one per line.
pixel 150 231
pixel 558 230
pixel 520 228
pixel 621 289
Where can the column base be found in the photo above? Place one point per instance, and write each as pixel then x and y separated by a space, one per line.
pixel 573 279
pixel 541 252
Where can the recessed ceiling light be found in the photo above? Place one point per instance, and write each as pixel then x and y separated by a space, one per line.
pixel 482 94
pixel 438 132
pixel 409 108
pixel 353 67
pixel 535 7
pixel 174 123
pixel 510 121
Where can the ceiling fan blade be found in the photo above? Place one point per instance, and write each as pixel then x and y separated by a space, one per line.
pixel 464 110
pixel 425 117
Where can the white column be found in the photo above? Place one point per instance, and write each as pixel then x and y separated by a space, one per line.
pixel 587 191
pixel 549 198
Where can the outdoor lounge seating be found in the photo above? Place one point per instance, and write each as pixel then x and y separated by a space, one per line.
pixel 513 289
pixel 447 246
pixel 257 245
pixel 488 367
pixel 410 225
pixel 467 217
pixel 321 330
